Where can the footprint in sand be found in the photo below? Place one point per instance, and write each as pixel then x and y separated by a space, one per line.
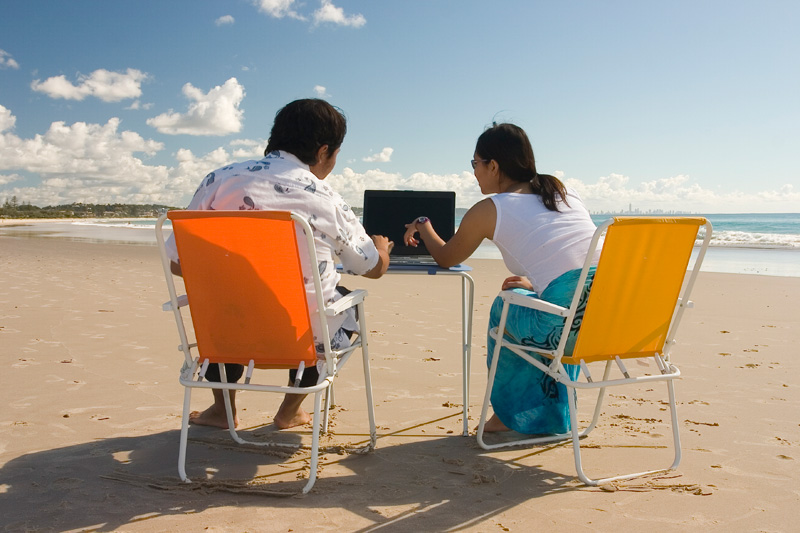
pixel 25 363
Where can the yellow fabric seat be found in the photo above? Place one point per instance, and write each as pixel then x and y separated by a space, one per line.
pixel 640 290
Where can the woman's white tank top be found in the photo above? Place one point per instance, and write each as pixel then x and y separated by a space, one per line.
pixel 538 243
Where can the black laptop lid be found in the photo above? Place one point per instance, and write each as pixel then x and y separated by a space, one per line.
pixel 387 213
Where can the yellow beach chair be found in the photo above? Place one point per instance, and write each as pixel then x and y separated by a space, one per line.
pixel 640 290
pixel 243 273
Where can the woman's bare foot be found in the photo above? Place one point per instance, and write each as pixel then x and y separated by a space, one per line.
pixel 212 417
pixel 493 425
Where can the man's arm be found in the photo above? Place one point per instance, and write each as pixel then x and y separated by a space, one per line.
pixel 384 246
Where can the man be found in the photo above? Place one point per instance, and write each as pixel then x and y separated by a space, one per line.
pixel 301 152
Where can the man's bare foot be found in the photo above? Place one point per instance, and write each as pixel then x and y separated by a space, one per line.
pixel 291 414
pixel 212 417
pixel 289 420
pixel 493 425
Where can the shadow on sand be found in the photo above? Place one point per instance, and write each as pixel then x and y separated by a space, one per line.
pixel 410 482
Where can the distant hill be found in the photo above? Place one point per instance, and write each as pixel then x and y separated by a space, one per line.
pixel 12 209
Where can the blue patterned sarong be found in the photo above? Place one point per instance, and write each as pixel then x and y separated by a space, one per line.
pixel 523 397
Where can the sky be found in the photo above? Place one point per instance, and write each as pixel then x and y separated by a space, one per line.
pixel 682 105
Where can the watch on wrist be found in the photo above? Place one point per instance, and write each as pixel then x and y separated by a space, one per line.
pixel 422 220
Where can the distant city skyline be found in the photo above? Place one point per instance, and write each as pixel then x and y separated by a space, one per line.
pixel 674 106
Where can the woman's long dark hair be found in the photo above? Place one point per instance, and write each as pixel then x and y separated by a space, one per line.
pixel 509 146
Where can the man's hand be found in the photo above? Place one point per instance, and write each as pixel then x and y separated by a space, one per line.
pixel 384 246
pixel 383 243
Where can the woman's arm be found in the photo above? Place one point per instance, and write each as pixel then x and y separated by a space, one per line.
pixel 478 224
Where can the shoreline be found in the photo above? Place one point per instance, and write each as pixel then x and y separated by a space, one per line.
pixel 749 260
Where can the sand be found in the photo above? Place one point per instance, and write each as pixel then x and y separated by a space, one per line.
pixel 91 412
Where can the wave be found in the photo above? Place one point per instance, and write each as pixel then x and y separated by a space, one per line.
pixel 721 237
pixel 745 239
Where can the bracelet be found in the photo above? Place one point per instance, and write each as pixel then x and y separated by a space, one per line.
pixel 422 220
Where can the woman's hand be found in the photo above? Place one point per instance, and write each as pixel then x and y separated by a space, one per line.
pixel 411 230
pixel 517 282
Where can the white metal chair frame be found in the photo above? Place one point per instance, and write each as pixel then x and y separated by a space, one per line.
pixel 193 370
pixel 555 369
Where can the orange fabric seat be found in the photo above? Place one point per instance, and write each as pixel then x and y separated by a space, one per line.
pixel 245 275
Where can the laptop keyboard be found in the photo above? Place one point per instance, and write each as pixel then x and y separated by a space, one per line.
pixel 413 260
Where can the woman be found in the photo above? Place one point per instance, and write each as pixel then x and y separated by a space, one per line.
pixel 543 231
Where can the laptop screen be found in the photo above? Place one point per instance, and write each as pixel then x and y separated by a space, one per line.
pixel 387 213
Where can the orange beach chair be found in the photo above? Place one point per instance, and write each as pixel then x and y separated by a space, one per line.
pixel 243 273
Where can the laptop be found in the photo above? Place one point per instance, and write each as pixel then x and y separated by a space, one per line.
pixel 387 213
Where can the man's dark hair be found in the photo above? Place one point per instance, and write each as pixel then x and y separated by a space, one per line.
pixel 303 126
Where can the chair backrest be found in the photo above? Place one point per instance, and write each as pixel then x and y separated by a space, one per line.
pixel 244 281
pixel 636 287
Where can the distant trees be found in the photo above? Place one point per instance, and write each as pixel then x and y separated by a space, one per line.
pixel 12 208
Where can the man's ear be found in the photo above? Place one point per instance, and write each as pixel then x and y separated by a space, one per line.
pixel 322 151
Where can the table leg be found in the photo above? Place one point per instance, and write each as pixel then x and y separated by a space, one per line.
pixel 467 304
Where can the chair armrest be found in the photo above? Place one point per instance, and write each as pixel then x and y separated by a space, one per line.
pixel 514 298
pixel 183 301
pixel 346 302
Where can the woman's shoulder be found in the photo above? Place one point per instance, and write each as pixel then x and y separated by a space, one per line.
pixel 483 206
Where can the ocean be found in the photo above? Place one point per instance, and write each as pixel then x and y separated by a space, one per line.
pixel 751 243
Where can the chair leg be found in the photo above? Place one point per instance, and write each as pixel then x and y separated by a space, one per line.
pixel 187 397
pixel 373 433
pixel 327 408
pixel 675 427
pixel 498 345
pixel 576 443
pixel 490 385
pixel 599 404
pixel 226 397
pixel 315 430
pixel 577 447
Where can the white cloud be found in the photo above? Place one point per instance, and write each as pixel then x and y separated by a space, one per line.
pixel 244 149
pixel 101 163
pixel 321 91
pixel 678 193
pixel 351 185
pixel 384 156
pixel 278 8
pixel 4 180
pixel 6 61
pixel 214 113
pixel 98 163
pixel 225 19
pixel 137 104
pixel 83 162
pixel 103 84
pixel 608 194
pixel 326 13
pixel 7 120
pixel 329 13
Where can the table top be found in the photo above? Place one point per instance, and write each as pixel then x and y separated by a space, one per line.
pixel 431 270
